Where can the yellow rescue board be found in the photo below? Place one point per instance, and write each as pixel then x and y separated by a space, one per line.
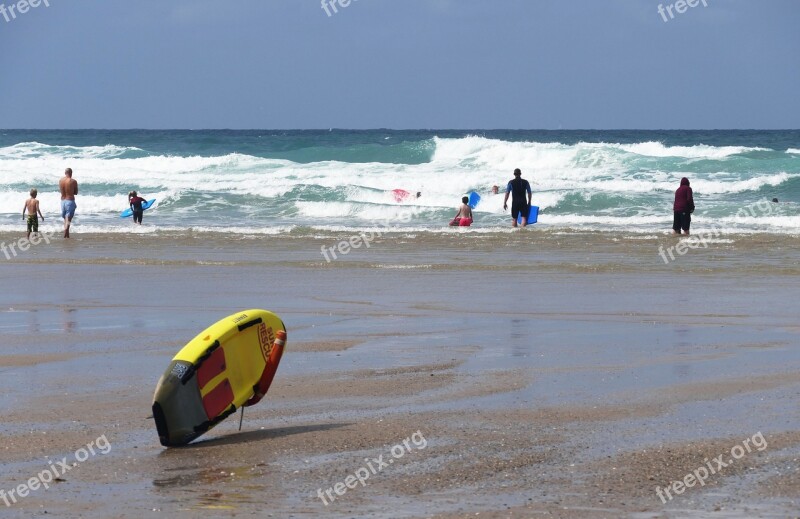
pixel 217 372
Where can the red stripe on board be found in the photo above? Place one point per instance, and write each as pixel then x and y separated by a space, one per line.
pixel 213 366
pixel 218 400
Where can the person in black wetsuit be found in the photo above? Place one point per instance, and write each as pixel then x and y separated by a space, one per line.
pixel 136 206
pixel 519 204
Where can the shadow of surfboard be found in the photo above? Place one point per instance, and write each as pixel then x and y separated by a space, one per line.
pixel 259 435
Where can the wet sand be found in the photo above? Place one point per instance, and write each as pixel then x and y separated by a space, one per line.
pixel 549 375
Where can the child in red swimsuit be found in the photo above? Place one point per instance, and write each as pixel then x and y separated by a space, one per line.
pixel 464 215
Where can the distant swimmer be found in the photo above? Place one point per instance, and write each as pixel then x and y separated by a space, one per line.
pixel 519 206
pixel 495 190
pixel 400 195
pixel 775 200
pixel 463 217
pixel 683 208
pixel 69 188
pixel 136 202
pixel 32 207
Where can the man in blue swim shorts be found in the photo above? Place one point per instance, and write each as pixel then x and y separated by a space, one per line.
pixel 69 188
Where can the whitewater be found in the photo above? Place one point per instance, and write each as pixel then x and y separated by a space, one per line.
pixel 262 183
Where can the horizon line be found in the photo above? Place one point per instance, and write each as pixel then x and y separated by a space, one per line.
pixel 414 129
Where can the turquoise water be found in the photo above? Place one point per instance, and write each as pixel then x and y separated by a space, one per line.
pixel 274 182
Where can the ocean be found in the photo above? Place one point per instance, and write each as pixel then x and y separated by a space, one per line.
pixel 307 182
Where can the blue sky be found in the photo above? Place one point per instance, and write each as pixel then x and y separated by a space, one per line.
pixel 400 64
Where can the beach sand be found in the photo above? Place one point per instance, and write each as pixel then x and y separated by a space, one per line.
pixel 549 374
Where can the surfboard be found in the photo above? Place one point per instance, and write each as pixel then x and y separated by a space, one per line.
pixel 228 365
pixel 474 198
pixel 129 212
pixel 533 215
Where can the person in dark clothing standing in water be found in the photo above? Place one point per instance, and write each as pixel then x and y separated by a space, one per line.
pixel 683 208
pixel 519 205
pixel 136 206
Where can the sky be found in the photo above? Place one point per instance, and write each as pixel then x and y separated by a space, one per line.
pixel 420 64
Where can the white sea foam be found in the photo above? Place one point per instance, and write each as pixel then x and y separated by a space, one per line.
pixel 600 183
pixel 699 151
pixel 50 203
pixel 27 150
pixel 458 166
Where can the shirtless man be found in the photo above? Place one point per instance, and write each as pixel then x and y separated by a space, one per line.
pixel 68 188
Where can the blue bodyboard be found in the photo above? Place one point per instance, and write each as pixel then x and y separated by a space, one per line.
pixel 533 215
pixel 474 198
pixel 128 212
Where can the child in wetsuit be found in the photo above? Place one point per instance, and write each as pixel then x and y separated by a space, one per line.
pixel 32 207
pixel 464 215
pixel 136 206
